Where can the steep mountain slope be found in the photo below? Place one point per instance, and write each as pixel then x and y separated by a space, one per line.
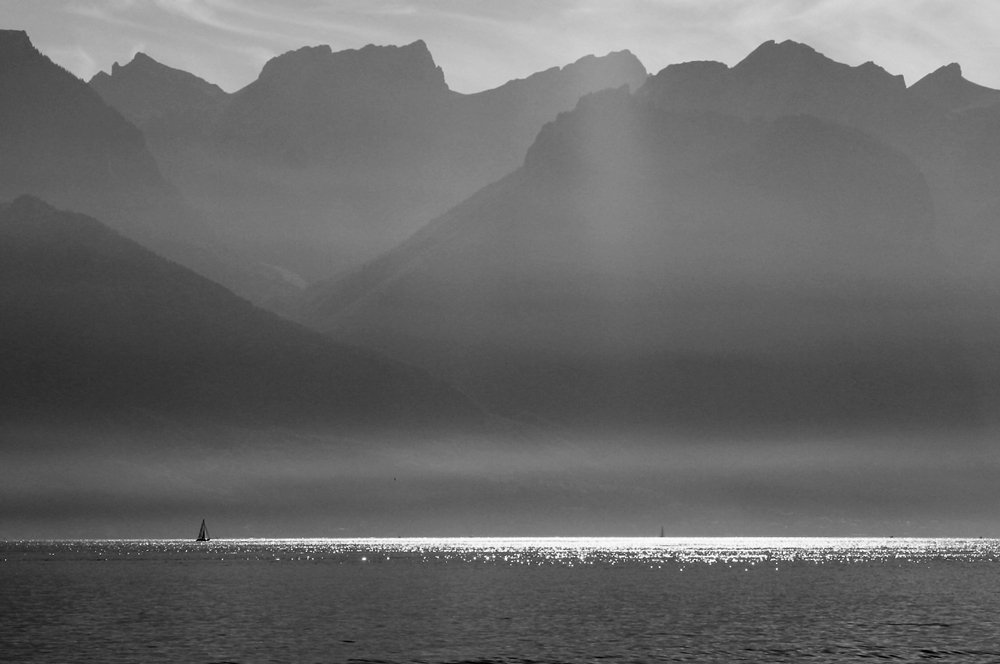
pixel 97 328
pixel 652 267
pixel 946 87
pixel 331 157
pixel 147 92
pixel 61 142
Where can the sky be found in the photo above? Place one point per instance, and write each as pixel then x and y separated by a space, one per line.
pixel 481 44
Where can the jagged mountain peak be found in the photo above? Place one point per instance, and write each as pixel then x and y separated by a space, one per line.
pixel 624 59
pixel 614 66
pixel 952 70
pixel 140 63
pixel 589 73
pixel 411 63
pixel 142 67
pixel 947 87
pixel 16 42
pixel 35 91
pixel 798 59
pixel 145 90
pixel 785 78
pixel 950 74
pixel 139 60
pixel 772 53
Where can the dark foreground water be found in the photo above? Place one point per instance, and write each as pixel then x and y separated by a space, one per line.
pixel 539 600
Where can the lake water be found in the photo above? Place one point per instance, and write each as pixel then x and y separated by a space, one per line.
pixel 500 600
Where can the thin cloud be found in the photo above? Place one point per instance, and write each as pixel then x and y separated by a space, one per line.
pixel 204 13
pixel 100 14
pixel 395 10
pixel 296 26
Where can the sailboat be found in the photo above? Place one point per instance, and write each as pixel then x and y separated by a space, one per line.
pixel 203 533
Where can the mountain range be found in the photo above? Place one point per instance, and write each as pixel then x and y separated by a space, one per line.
pixel 329 158
pixel 946 124
pixel 62 143
pixel 787 242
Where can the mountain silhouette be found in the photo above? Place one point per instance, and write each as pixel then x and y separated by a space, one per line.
pixel 946 124
pixel 647 266
pixel 329 158
pixel 789 78
pixel 145 91
pixel 946 87
pixel 97 328
pixel 63 143
pixel 787 241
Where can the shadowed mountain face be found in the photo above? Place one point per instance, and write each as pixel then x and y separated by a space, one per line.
pixel 144 91
pixel 61 142
pixel 947 88
pixel 329 158
pixel 648 267
pixel 947 125
pixel 97 328
pixel 786 79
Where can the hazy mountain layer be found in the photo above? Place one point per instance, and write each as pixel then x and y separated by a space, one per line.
pixel 946 87
pixel 61 142
pixel 787 78
pixel 144 91
pixel 789 240
pixel 97 328
pixel 329 158
pixel 649 266
pixel 945 123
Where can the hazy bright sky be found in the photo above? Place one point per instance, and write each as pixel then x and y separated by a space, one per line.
pixel 481 44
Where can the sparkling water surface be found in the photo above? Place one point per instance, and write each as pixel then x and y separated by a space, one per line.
pixel 500 600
